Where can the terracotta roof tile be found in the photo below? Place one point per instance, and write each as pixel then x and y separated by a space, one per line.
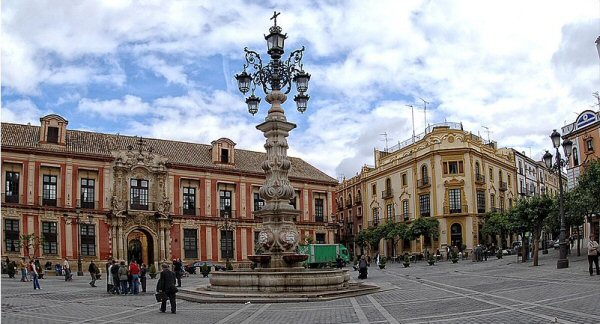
pixel 183 153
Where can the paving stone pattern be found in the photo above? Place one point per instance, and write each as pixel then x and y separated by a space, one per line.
pixel 496 291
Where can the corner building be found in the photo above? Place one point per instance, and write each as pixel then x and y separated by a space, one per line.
pixel 145 199
pixel 446 173
pixel 585 134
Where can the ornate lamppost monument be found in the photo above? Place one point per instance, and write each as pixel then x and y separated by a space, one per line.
pixel 279 269
pixel 567 145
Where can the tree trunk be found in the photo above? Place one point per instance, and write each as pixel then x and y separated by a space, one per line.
pixel 536 247
pixel 578 242
pixel 524 248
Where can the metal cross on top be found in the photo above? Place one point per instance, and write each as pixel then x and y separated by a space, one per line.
pixel 275 14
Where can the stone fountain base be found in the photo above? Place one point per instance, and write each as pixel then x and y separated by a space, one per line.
pixel 279 280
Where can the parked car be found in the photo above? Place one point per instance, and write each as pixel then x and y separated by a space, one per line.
pixel 556 244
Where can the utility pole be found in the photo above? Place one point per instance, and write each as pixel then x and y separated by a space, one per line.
pixel 425 110
pixel 413 120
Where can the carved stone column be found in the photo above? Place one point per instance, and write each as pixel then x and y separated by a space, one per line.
pixel 279 235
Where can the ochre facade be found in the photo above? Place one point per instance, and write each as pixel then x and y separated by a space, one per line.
pixel 448 173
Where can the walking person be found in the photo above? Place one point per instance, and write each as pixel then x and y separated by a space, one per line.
pixel 166 285
pixel 362 268
pixel 23 267
pixel 178 268
pixel 10 268
pixel 34 275
pixel 593 255
pixel 94 271
pixel 67 270
pixel 143 271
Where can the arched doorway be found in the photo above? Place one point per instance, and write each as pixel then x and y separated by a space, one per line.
pixel 456 235
pixel 140 246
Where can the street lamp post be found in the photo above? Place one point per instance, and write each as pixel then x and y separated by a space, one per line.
pixel 79 261
pixel 227 227
pixel 558 164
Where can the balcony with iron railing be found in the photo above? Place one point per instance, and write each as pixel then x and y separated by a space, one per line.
pixel 503 186
pixel 348 203
pixel 87 204
pixel 373 223
pixel 47 202
pixel 481 209
pixel 388 193
pixel 227 213
pixel 141 205
pixel 406 216
pixel 479 179
pixel 456 210
pixel 425 182
pixel 320 219
pixel 358 200
pixel 190 211
pixel 12 199
pixel 425 213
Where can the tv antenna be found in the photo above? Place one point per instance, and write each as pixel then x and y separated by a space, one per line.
pixel 425 102
pixel 412 109
pixel 385 138
pixel 487 130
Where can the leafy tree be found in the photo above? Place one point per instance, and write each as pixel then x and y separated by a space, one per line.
pixel 31 241
pixel 588 185
pixel 531 214
pixel 369 238
pixel 425 226
pixel 497 224
pixel 576 208
pixel 394 232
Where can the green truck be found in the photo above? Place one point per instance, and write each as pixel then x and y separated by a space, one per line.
pixel 320 255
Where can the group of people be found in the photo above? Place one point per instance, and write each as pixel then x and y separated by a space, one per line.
pixel 480 253
pixel 123 279
pixel 30 271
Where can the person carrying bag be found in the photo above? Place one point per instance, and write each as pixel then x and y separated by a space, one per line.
pixel 166 289
pixel 593 255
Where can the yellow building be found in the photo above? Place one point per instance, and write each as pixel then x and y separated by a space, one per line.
pixel 95 196
pixel 446 173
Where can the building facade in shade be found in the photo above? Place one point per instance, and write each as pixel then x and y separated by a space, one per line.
pixel 446 173
pixel 534 178
pixel 584 132
pixel 101 195
pixel 350 211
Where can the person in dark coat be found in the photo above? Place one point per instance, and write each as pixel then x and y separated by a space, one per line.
pixel 143 271
pixel 166 284
pixel 94 271
pixel 362 268
pixel 178 269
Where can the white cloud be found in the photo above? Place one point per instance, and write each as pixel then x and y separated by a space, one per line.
pixel 172 73
pixel 22 112
pixel 128 106
pixel 518 68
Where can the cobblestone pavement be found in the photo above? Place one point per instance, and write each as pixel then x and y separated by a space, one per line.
pixel 495 291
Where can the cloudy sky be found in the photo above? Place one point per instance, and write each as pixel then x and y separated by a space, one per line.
pixel 165 69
